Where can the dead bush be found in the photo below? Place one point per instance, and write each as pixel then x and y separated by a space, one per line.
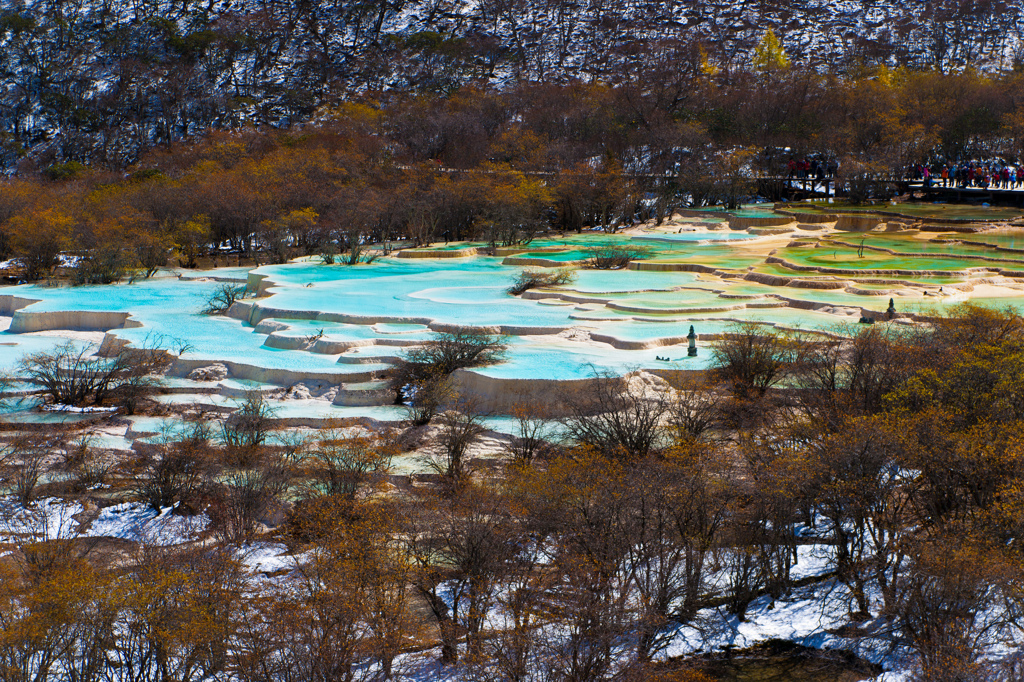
pixel 222 298
pixel 341 464
pixel 72 373
pixel 753 360
pixel 616 416
pixel 176 471
pixel 536 279
pixel 615 257
pixel 248 427
pixel 247 496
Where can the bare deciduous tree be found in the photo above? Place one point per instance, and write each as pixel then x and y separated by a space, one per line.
pixel 341 464
pixel 695 408
pixel 529 441
pixel 71 373
pixel 222 298
pixel 537 279
pixel 247 496
pixel 24 460
pixel 620 416
pixel 460 428
pixel 177 468
pixel 752 359
pixel 248 427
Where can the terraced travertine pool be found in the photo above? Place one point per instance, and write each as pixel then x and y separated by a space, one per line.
pixel 831 256
pixel 924 211
pixel 345 326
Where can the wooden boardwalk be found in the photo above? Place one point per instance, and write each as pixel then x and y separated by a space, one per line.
pixel 959 195
pixel 795 188
pixel 802 188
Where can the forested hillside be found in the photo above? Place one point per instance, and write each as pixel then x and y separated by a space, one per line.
pixel 99 81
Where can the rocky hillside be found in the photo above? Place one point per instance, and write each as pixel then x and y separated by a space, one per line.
pixel 100 80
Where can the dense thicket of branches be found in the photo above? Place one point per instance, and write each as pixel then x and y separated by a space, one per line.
pixel 895 452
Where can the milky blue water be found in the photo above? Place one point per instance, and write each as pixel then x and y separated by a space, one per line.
pixel 721 236
pixel 395 300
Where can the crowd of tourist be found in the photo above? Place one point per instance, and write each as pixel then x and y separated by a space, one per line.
pixel 816 168
pixel 968 175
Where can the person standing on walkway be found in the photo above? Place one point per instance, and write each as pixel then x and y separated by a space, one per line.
pixel 945 176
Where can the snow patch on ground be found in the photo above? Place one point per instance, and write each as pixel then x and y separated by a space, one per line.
pixel 801 617
pixel 267 557
pixel 48 519
pixel 141 523
pixel 83 410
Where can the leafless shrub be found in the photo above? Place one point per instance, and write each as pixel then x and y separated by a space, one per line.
pixel 247 496
pixel 293 445
pixel 753 360
pixel 85 467
pixel 939 602
pixel 527 442
pixel 449 351
pixel 615 257
pixel 500 231
pixel 328 253
pixel 24 461
pixel 222 298
pixel 459 550
pixel 248 427
pixel 840 377
pixel 426 397
pixel 422 380
pixel 694 410
pixel 535 279
pixel 71 373
pixel 616 416
pixel 459 430
pixel 340 464
pixel 177 470
pixel 140 376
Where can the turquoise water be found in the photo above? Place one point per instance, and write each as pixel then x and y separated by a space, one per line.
pixel 401 300
pixel 25 410
pixel 13 347
pixel 559 256
pixel 564 361
pixel 917 210
pixel 910 244
pixel 1010 240
pixel 718 236
pixel 833 256
pixel 612 281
